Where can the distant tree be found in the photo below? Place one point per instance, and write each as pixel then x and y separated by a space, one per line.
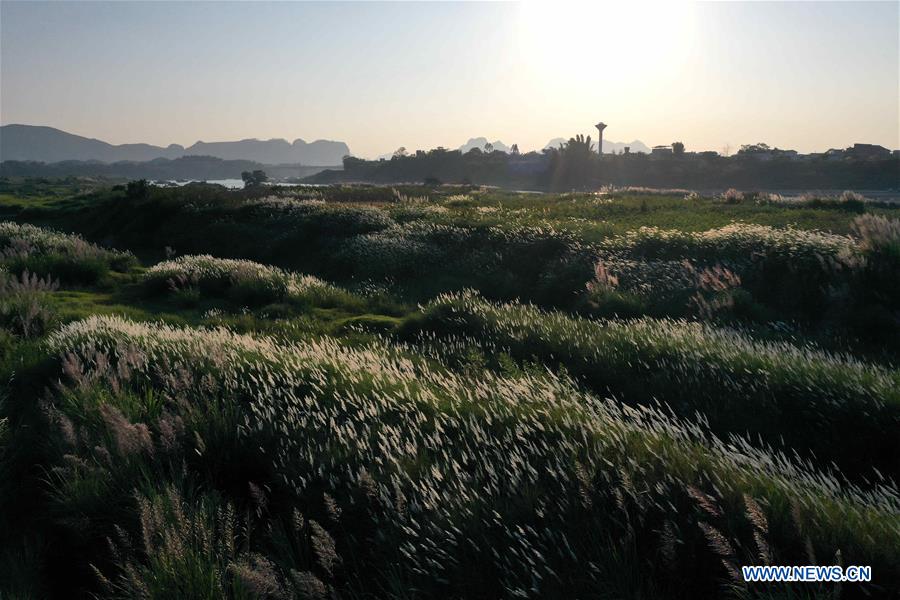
pixel 571 166
pixel 254 178
pixel 351 162
pixel 754 148
pixel 579 146
pixel 474 151
pixel 137 190
pixel 488 148
pixel 678 149
pixel 432 180
pixel 515 149
pixel 401 152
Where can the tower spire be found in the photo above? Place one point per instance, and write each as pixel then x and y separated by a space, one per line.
pixel 600 127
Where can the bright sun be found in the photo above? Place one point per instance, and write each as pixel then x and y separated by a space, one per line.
pixel 617 41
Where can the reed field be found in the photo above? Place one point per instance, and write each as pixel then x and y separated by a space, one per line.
pixel 445 392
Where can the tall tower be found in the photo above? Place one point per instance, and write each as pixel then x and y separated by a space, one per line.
pixel 600 127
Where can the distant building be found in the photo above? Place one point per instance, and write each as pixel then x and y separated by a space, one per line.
pixel 868 152
pixel 661 151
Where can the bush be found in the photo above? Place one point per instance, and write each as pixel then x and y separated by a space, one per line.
pixel 732 196
pixel 788 269
pixel 51 254
pixel 243 281
pixel 666 288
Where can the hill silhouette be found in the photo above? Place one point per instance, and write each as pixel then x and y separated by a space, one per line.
pixel 479 142
pixel 48 144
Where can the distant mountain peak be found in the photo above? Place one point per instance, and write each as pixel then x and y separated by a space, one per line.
pixel 480 142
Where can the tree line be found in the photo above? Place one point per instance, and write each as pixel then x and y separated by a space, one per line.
pixel 575 165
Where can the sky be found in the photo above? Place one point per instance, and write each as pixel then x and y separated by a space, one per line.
pixel 808 76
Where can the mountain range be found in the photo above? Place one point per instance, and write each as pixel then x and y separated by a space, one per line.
pixel 47 144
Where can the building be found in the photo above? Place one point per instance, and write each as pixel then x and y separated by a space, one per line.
pixel 868 152
pixel 661 151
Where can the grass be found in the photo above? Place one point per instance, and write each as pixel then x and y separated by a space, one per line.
pixel 272 414
pixel 597 217
pixel 781 392
pixel 243 281
pixel 408 430
pixel 64 256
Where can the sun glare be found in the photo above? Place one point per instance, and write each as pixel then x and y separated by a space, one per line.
pixel 588 40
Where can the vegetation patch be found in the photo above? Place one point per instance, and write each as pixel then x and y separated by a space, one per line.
pixel 779 391
pixel 219 425
pixel 415 461
pixel 67 257
pixel 244 281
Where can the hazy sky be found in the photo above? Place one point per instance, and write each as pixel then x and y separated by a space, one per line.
pixel 808 76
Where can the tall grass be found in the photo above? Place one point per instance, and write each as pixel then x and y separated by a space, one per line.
pixel 780 391
pixel 878 258
pixel 542 264
pixel 792 272
pixel 422 474
pixel 737 242
pixel 502 451
pixel 23 307
pixel 244 281
pixel 66 257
